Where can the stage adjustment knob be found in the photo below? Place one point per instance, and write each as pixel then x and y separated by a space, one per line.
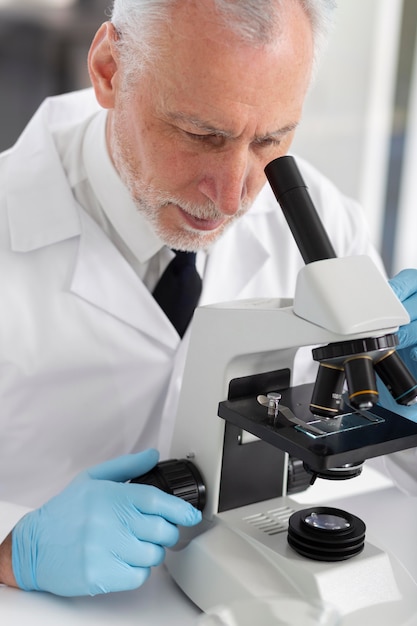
pixel 298 478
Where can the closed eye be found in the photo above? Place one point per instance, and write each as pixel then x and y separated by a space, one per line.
pixel 267 142
pixel 215 139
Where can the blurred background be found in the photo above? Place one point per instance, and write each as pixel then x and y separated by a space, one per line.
pixel 360 119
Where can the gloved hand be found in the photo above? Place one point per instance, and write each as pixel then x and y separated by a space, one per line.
pixel 100 534
pixel 404 285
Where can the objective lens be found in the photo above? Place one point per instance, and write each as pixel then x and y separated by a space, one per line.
pixel 327 393
pixel 397 378
pixel 361 381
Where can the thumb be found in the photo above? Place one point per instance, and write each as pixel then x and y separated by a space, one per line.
pixel 404 284
pixel 123 468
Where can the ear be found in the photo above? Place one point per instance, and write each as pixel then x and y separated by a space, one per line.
pixel 103 65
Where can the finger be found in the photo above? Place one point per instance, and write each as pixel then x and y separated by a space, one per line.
pixel 154 529
pixel 125 467
pixel 407 335
pixel 404 284
pixel 124 578
pixel 154 501
pixel 142 554
pixel 137 576
pixel 409 358
pixel 410 304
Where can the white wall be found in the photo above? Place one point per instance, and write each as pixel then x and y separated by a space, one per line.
pixel 405 246
pixel 347 119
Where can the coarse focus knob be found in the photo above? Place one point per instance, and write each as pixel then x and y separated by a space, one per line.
pixel 179 478
pixel 298 479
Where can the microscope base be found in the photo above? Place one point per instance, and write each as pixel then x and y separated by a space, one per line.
pixel 243 554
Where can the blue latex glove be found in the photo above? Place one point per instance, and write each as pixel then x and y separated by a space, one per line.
pixel 100 534
pixel 404 286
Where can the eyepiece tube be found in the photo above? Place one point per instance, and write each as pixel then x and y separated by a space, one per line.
pixel 291 192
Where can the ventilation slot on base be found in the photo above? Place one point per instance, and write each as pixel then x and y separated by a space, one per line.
pixel 272 522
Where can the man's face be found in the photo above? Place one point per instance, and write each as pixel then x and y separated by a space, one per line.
pixel 192 136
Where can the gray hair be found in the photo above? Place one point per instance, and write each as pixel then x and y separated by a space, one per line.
pixel 255 21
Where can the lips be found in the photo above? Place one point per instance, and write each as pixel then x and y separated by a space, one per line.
pixel 199 223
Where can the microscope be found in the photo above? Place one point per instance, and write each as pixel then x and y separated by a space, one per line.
pixel 246 436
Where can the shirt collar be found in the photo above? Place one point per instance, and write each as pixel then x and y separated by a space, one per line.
pixel 113 196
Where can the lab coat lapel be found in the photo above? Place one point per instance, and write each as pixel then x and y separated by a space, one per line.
pixel 105 279
pixel 42 212
pixel 39 201
pixel 234 260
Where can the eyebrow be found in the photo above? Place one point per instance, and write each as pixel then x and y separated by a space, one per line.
pixel 207 127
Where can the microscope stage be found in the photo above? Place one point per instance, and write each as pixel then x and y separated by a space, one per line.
pixel 322 443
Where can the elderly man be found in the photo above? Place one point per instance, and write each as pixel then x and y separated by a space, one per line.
pixel 190 102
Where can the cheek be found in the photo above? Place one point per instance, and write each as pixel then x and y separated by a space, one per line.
pixel 173 170
pixel 163 162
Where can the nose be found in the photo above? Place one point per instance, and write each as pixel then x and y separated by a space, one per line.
pixel 225 180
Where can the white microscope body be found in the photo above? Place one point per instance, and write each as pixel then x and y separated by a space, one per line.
pixel 242 552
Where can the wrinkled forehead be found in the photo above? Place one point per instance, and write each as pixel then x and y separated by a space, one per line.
pixel 206 70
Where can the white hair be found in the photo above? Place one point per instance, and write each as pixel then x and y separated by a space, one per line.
pixel 255 21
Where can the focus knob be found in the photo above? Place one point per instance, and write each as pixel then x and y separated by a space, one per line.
pixel 179 478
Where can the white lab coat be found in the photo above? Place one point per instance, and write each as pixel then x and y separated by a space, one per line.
pixel 86 355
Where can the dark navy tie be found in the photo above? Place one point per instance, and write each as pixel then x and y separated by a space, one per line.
pixel 179 290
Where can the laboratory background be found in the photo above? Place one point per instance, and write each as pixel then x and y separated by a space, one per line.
pixel 360 120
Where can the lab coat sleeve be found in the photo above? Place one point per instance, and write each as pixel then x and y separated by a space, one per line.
pixel 10 514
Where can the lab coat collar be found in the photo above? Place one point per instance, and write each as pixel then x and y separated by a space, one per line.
pixel 38 182
pixel 104 278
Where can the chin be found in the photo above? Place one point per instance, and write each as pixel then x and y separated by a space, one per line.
pixel 188 242
pixel 188 239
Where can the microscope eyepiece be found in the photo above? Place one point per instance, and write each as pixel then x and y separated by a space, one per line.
pixel 292 194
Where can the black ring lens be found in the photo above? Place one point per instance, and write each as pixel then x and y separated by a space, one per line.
pixel 326 534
